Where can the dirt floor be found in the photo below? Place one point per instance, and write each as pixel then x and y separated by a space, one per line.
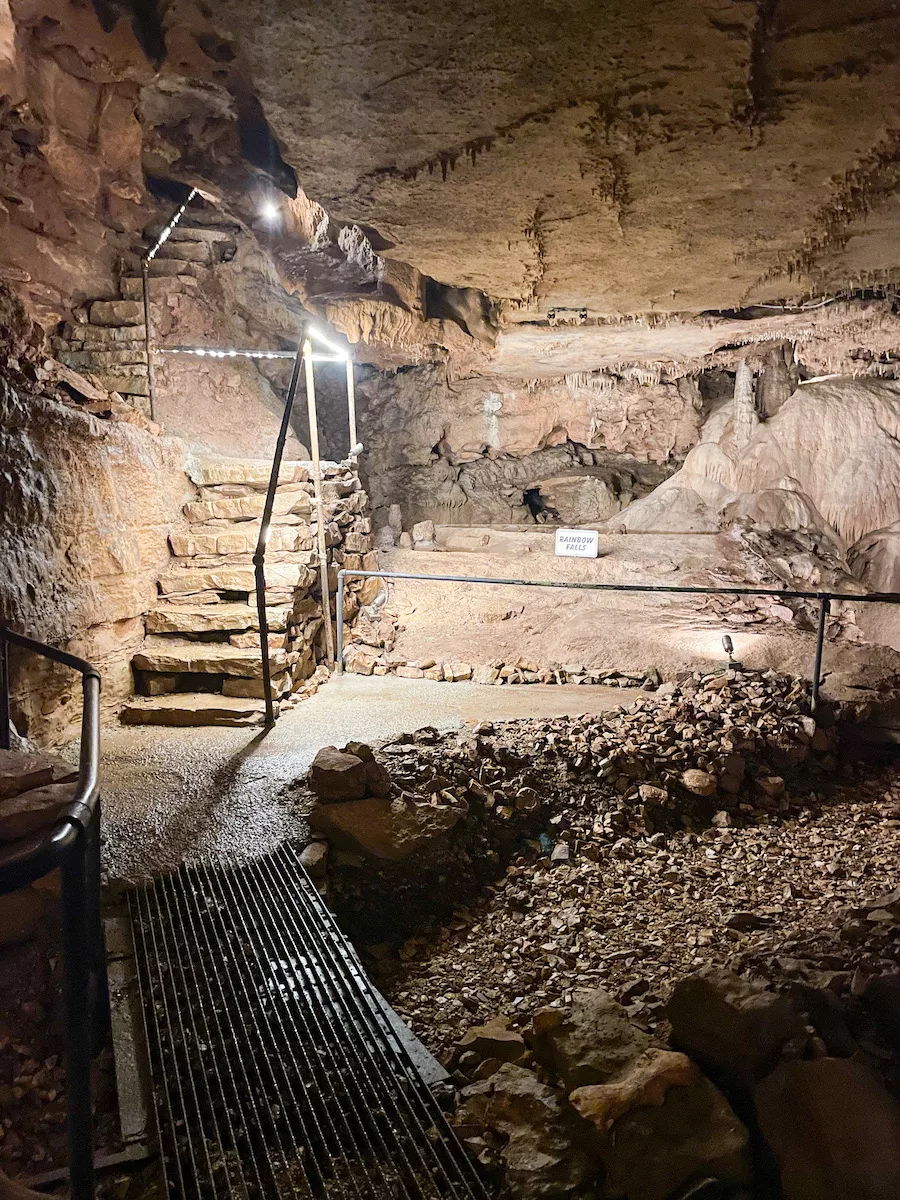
pixel 614 630
pixel 172 794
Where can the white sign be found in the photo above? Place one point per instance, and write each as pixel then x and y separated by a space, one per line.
pixel 577 543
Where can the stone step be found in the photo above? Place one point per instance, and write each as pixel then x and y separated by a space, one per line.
pixel 127 385
pixel 100 337
pixel 172 266
pixel 183 250
pixel 213 618
pixel 282 685
pixel 132 286
pixel 193 708
pixel 186 231
pixel 244 508
pixel 179 656
pixel 183 581
pixel 238 539
pixel 103 360
pixel 210 470
pixel 116 313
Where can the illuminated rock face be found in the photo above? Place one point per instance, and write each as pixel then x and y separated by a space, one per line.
pixel 827 460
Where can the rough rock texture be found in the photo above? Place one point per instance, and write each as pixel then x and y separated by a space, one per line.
pixel 465 452
pixel 663 1125
pixel 542 1154
pixel 593 176
pixel 590 1043
pixel 827 461
pixel 834 1130
pixel 335 775
pixel 384 829
pixel 732 1028
pixel 84 523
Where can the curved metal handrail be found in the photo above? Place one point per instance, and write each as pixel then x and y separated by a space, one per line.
pixel 73 845
pixel 33 857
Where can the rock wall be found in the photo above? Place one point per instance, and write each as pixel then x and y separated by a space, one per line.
pixel 87 508
pixel 466 451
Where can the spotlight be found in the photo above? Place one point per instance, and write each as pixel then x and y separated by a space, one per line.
pixel 269 210
pixel 728 645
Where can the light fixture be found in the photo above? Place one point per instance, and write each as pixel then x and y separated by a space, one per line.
pixel 728 646
pixel 269 210
pixel 318 336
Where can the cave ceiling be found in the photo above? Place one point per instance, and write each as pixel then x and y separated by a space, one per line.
pixel 618 157
pixel 580 183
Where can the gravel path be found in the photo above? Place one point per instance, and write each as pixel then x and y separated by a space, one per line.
pixel 176 794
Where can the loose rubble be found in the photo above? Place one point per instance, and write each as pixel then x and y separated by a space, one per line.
pixel 659 921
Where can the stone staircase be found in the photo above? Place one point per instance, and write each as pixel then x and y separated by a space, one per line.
pixel 106 341
pixel 200 662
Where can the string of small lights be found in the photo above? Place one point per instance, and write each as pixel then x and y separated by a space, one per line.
pixel 208 352
pixel 164 236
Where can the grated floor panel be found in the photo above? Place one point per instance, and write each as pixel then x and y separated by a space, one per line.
pixel 276 1072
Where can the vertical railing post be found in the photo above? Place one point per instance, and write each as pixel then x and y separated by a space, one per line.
pixel 351 409
pixel 4 692
pixel 148 349
pixel 76 953
pixel 824 609
pixel 259 558
pixel 320 503
pixel 339 661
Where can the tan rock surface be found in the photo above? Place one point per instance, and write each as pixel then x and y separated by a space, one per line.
pixel 172 654
pixel 187 709
pixel 211 618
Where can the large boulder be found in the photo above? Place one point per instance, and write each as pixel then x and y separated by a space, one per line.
pixel 592 1042
pixel 336 775
pixel 833 1128
pixel 546 1149
pixel 384 829
pixel 378 780
pixel 663 1125
pixel 733 1028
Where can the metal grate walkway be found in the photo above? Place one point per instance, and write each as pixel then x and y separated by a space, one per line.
pixel 276 1070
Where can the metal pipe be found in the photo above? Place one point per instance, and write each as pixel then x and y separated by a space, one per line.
pixel 824 609
pixel 145 291
pixel 78 1019
pixel 824 599
pixel 259 558
pixel 320 504
pixel 351 408
pixel 781 593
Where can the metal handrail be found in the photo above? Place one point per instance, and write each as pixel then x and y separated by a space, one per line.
pixel 73 845
pixel 824 599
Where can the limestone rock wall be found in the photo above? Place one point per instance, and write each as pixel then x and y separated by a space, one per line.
pixel 466 451
pixel 87 508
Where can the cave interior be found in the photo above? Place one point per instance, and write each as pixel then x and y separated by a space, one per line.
pixel 543 360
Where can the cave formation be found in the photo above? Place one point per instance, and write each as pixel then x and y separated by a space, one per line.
pixel 628 268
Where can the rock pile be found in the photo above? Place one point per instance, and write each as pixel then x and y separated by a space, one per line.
pixel 358 815
pixel 200 662
pixel 586 1099
pixel 702 866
